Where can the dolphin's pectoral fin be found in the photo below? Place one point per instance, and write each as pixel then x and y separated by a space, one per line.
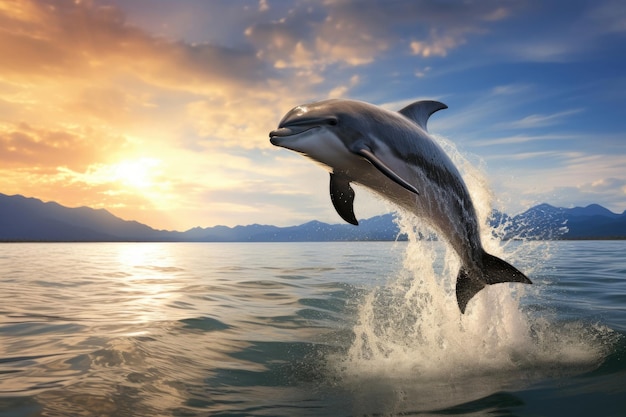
pixel 342 196
pixel 382 167
pixel 494 270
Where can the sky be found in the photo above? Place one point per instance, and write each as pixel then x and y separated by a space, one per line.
pixel 159 111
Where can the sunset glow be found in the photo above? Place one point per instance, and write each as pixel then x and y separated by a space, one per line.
pixel 159 111
pixel 135 174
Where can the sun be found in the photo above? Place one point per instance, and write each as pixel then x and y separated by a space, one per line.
pixel 137 173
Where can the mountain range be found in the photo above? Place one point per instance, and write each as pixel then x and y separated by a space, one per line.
pixel 28 219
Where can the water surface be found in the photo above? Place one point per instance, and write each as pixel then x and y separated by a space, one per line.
pixel 312 329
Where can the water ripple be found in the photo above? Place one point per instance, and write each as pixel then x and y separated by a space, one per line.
pixel 210 329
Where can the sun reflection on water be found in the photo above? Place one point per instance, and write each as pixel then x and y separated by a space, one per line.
pixel 151 282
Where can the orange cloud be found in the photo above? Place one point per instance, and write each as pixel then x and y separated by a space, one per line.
pixel 24 146
pixel 75 41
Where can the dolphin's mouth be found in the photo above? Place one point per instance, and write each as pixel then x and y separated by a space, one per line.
pixel 277 136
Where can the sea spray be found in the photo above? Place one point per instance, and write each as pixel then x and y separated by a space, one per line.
pixel 411 329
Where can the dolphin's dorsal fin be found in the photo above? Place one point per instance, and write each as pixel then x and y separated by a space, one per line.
pixel 421 110
pixel 342 196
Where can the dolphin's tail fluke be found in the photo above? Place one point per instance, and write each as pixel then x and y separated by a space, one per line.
pixel 494 270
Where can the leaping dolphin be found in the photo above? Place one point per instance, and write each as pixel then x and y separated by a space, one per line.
pixel 393 155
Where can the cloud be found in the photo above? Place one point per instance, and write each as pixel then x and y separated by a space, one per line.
pixel 483 112
pixel 37 148
pixel 496 116
pixel 607 185
pixel 65 39
pixel 542 120
pixel 564 178
pixel 71 60
pixel 609 16
pixel 520 139
pixel 314 35
pixel 263 6
pixel 437 46
pixel 544 50
pixel 78 43
pixel 563 34
pixel 609 192
pixel 568 166
pixel 510 89
pixel 232 122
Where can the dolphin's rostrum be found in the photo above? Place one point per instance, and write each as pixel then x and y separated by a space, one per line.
pixel 393 155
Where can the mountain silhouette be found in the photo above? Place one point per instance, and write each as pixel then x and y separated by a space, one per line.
pixel 30 219
pixel 546 222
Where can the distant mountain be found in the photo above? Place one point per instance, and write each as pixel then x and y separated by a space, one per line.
pixel 375 228
pixel 546 222
pixel 30 219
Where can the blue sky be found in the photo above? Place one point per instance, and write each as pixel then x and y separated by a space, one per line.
pixel 159 111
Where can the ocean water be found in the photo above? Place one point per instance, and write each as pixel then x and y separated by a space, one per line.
pixel 308 329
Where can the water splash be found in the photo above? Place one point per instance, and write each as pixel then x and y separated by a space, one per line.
pixel 411 328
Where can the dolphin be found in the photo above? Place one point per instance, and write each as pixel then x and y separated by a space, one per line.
pixel 392 154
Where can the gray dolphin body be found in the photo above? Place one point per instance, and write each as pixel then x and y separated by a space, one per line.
pixel 392 154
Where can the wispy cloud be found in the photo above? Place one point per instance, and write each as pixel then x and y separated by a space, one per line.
pixel 541 120
pixel 609 192
pixel 520 139
pixel 609 16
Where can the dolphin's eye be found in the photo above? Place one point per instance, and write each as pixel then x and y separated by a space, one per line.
pixel 333 121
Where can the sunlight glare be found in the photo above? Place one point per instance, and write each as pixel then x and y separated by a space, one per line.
pixel 150 279
pixel 137 173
